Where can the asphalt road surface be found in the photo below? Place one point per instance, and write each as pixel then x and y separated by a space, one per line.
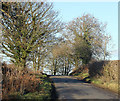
pixel 68 87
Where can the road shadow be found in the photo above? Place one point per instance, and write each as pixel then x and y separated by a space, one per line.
pixel 88 100
pixel 69 88
pixel 65 80
pixel 54 94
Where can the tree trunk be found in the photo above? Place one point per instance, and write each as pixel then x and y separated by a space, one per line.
pixel 38 63
pixel 24 63
pixel 55 68
pixel 38 59
pixel 34 62
pixel 105 51
pixel 76 63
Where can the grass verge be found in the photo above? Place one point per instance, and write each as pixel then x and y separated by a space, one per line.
pixel 112 86
pixel 44 93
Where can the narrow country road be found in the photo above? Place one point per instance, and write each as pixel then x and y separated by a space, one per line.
pixel 68 87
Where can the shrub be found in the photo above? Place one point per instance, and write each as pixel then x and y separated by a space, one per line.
pixel 107 71
pixel 20 81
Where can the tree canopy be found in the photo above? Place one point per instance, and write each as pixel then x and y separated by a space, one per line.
pixel 26 26
pixel 29 30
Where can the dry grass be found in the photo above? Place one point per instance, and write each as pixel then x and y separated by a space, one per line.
pixel 19 81
pixel 111 86
pixel 102 73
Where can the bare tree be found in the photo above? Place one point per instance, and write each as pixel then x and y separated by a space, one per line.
pixel 87 35
pixel 26 27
